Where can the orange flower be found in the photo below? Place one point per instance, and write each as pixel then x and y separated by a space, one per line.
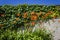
pixel 46 15
pixel 17 19
pixel 32 13
pixel 33 17
pixel 18 14
pixel 25 15
pixel 50 12
pixel 1 25
pixel 33 23
pixel 43 17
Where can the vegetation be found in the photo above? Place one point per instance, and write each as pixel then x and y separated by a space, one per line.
pixel 26 15
pixel 13 18
pixel 25 35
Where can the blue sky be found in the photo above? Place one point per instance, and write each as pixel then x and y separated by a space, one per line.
pixel 16 2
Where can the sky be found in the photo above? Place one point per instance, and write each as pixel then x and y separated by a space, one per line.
pixel 16 2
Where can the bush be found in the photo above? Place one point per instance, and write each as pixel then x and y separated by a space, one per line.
pixel 22 15
pixel 39 34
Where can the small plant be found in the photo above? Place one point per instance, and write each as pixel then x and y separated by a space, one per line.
pixel 38 34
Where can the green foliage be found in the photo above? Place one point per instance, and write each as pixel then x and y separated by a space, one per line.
pixel 9 18
pixel 39 34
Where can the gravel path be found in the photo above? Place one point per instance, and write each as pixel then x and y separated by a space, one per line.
pixel 57 30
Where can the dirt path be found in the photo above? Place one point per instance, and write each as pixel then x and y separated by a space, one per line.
pixel 57 30
pixel 52 26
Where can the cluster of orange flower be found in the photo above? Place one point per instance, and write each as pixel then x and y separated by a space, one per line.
pixel 33 23
pixel 34 16
pixel 18 14
pixel 25 15
pixel 47 14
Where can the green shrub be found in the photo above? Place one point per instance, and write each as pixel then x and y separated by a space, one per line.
pixel 21 15
pixel 25 35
